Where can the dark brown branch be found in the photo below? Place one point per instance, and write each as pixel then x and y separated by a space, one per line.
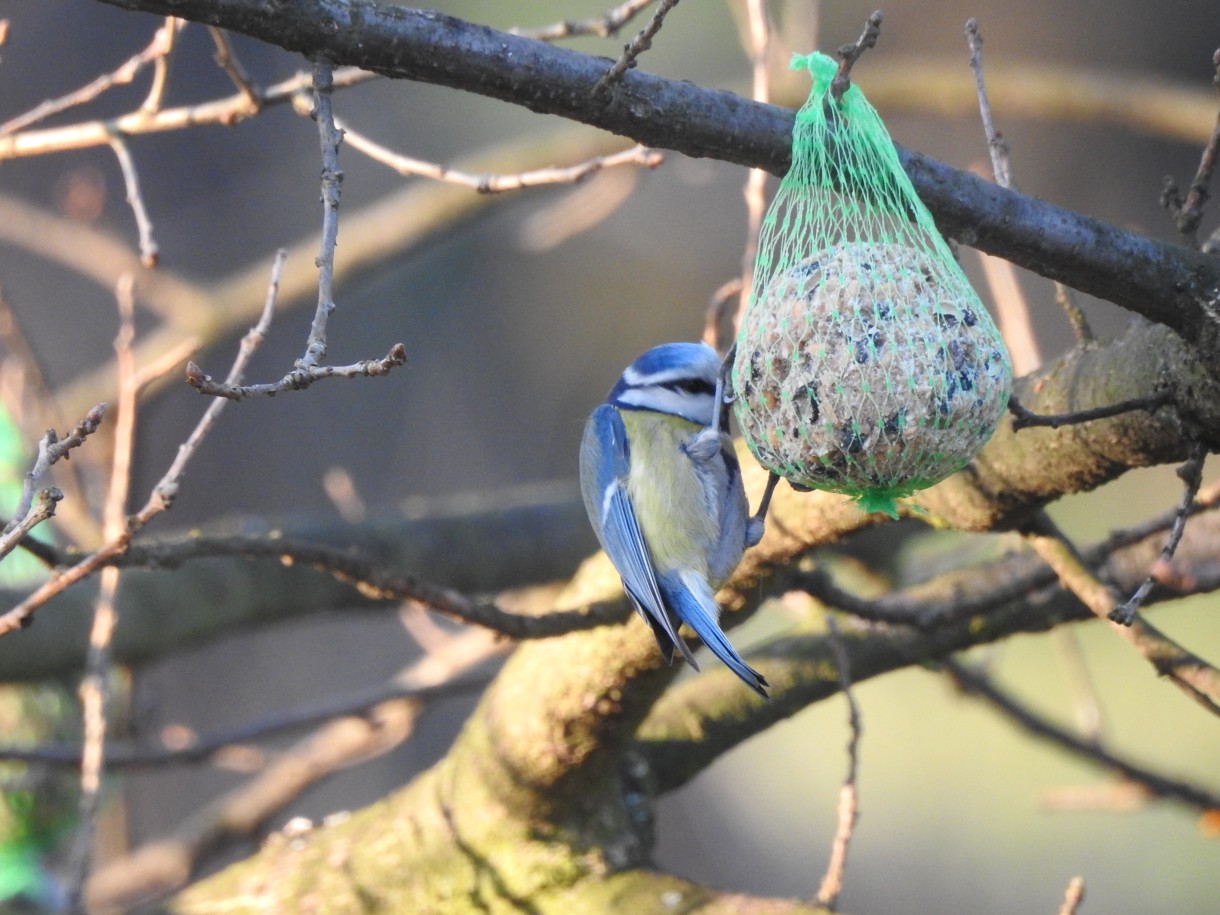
pixel 974 683
pixel 850 53
pixel 1025 419
pixel 694 723
pixel 130 756
pixel 633 49
pixel 377 582
pixel 1188 213
pixel 604 26
pixel 1165 283
pixel 1191 474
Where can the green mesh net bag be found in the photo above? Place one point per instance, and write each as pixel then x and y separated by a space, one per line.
pixel 866 364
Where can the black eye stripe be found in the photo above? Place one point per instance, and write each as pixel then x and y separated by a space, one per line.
pixel 691 386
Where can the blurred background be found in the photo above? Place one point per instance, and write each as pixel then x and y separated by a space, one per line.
pixel 519 316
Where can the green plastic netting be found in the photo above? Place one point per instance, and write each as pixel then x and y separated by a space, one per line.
pixel 866 364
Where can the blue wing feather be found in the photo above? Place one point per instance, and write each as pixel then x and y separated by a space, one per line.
pixel 605 466
pixel 692 598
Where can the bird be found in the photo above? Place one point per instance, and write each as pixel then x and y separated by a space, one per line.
pixel 662 486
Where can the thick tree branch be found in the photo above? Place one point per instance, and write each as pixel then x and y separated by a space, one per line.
pixel 696 722
pixel 1165 283
pixel 542 537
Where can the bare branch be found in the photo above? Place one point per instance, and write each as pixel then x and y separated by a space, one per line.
pixel 850 53
pixel 694 723
pixel 976 684
pixel 1189 212
pixel 148 246
pixel 1073 896
pixel 375 581
pixel 631 51
pixel 756 180
pixel 227 61
pixel 160 45
pixel 1191 474
pixel 95 686
pixel 603 26
pixel 494 184
pixel 1165 283
pixel 160 500
pixel 200 749
pixel 164 866
pixel 849 801
pixel 1025 419
pixel 1190 673
pixel 50 449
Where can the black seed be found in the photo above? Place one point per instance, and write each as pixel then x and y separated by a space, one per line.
pixel 966 380
pixel 850 441
pixel 945 320
pixel 968 317
pixel 893 424
pixel 755 367
pixel 959 354
pixel 811 391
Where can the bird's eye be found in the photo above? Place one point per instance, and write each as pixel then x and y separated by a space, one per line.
pixel 694 386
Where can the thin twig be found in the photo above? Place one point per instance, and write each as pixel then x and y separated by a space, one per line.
pixel 604 26
pixel 160 500
pixel 1073 896
pixel 756 179
pixel 37 408
pixel 1186 670
pixel 996 145
pixel 95 686
pixel 165 865
pixel 1015 320
pixel 1189 212
pixel 227 110
pixel 633 49
pixel 309 367
pixel 200 749
pixel 332 179
pixel 41 507
pixel 120 76
pixel 1081 687
pixel 850 53
pixel 972 682
pixel 1066 298
pixel 50 449
pixel 148 245
pixel 720 318
pixel 156 91
pixel 298 379
pixel 376 582
pixel 1191 474
pixel 849 809
pixel 227 60
pixel 494 184
pixel 1024 419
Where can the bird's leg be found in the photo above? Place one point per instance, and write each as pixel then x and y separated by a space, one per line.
pixel 724 391
pixel 756 526
pixel 706 444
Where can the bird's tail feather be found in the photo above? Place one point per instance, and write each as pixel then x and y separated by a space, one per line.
pixel 691 597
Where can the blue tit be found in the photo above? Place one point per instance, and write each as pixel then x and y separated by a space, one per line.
pixel 663 489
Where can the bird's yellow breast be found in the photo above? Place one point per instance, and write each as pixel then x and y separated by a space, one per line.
pixel 668 496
